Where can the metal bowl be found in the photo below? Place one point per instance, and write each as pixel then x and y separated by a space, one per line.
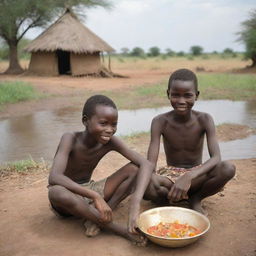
pixel 154 216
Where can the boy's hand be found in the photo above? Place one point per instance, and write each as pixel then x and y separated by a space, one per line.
pixel 132 222
pixel 103 208
pixel 180 188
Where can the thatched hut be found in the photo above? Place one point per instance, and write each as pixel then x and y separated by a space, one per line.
pixel 67 47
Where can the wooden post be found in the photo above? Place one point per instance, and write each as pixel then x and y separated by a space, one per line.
pixel 109 62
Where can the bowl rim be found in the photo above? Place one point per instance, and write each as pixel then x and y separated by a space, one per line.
pixel 175 208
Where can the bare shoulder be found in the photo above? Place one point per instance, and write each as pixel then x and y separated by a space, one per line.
pixel 205 119
pixel 68 139
pixel 161 119
pixel 115 143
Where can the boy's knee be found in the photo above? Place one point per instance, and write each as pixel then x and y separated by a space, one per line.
pixel 228 170
pixel 57 193
pixel 133 169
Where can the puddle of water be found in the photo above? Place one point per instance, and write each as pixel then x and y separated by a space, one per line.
pixel 38 134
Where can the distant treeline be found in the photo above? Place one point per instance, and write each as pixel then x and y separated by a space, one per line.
pixel 154 51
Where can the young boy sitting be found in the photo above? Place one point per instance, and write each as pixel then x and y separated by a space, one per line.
pixel 71 190
pixel 183 131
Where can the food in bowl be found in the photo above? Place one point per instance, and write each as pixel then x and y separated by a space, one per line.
pixel 171 214
pixel 173 230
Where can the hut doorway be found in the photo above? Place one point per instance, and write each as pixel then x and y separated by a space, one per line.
pixel 63 62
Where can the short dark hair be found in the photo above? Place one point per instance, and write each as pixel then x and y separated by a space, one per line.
pixel 93 101
pixel 183 75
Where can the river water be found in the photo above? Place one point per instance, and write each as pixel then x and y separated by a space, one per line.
pixel 38 134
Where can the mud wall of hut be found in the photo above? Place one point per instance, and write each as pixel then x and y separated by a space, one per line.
pixel 82 64
pixel 44 63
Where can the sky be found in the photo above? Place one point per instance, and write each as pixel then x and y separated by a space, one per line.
pixel 173 24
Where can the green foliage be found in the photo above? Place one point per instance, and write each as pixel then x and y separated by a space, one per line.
pixel 12 92
pixel 138 52
pixel 248 36
pixel 196 50
pixel 22 44
pixel 154 51
pixel 125 51
pixel 169 52
pixel 4 52
pixel 180 54
pixel 228 51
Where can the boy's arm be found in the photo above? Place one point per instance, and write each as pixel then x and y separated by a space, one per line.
pixel 182 185
pixel 142 180
pixel 213 149
pixel 57 177
pixel 154 145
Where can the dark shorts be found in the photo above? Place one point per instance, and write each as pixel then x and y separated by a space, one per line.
pixel 97 186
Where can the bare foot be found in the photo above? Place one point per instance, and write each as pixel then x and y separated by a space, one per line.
pixel 137 239
pixel 91 229
pixel 196 205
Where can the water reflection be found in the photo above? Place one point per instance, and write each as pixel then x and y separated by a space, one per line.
pixel 38 134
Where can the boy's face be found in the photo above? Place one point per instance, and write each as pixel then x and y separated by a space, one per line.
pixel 103 124
pixel 182 95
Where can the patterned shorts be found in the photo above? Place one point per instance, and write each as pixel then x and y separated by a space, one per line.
pixel 173 173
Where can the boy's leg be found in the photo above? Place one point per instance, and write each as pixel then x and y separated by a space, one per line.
pixel 67 202
pixel 210 184
pixel 117 187
pixel 158 189
pixel 120 184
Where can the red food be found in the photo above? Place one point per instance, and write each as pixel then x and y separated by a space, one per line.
pixel 173 230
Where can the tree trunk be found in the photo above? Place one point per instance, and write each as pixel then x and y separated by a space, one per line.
pixel 14 66
pixel 253 61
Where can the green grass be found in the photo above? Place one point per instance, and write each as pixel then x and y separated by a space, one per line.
pixel 22 167
pixel 12 92
pixel 227 86
pixel 211 86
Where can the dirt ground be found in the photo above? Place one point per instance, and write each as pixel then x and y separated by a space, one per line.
pixel 28 227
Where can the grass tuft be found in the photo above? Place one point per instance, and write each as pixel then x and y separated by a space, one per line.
pixel 22 167
pixel 12 92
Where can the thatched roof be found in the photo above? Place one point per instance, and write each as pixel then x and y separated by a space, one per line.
pixel 68 34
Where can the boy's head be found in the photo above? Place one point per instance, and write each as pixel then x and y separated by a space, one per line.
pixel 92 102
pixel 183 75
pixel 182 91
pixel 100 118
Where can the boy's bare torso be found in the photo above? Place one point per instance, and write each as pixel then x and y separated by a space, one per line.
pixel 83 160
pixel 183 140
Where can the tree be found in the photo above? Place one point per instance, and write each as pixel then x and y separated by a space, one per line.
pixel 228 51
pixel 18 16
pixel 125 51
pixel 154 51
pixel 137 51
pixel 248 36
pixel 169 52
pixel 196 50
pixel 180 54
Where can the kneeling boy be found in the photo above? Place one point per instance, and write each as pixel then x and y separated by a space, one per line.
pixel 183 131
